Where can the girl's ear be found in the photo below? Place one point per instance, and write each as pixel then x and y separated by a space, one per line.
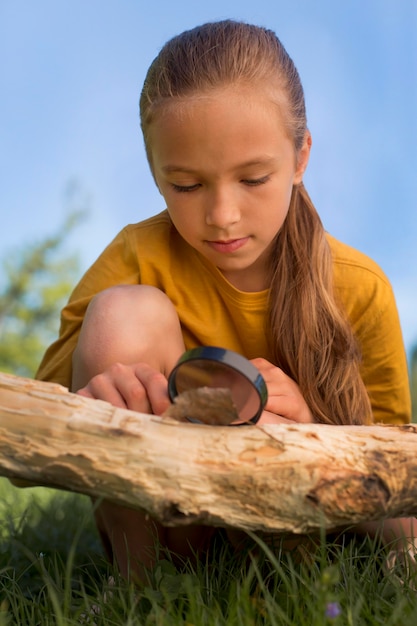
pixel 302 158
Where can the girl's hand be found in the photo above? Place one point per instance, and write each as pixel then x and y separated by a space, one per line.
pixel 138 387
pixel 285 402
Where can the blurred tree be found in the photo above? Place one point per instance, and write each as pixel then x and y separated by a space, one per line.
pixel 37 280
pixel 413 382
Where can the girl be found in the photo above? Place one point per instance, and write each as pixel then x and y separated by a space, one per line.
pixel 239 259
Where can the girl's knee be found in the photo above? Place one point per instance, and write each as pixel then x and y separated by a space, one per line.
pixel 128 324
pixel 129 301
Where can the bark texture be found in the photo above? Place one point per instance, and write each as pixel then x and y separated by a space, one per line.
pixel 293 478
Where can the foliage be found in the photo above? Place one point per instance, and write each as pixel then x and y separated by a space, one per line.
pixel 52 571
pixel 38 280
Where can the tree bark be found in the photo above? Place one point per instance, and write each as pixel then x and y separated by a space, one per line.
pixel 293 478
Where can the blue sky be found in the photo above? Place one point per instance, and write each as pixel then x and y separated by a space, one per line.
pixel 70 77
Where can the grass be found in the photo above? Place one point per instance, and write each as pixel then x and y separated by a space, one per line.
pixel 53 572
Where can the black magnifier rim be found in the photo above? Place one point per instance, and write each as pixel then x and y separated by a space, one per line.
pixel 232 359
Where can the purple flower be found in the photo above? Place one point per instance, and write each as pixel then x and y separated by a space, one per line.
pixel 333 610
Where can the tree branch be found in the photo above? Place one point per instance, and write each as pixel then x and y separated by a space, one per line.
pixel 295 478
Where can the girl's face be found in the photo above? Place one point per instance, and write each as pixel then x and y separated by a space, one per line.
pixel 226 168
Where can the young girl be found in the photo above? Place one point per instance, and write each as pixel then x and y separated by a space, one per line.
pixel 239 259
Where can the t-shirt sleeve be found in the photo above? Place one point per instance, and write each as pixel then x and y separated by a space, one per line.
pixel 384 364
pixel 117 265
pixel 376 324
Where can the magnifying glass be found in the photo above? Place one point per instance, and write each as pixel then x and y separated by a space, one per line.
pixel 209 367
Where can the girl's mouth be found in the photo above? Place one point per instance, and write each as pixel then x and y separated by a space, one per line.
pixel 229 245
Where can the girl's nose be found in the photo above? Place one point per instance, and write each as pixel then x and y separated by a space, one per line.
pixel 222 210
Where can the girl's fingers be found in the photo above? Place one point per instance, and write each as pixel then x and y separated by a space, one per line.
pixel 156 386
pixel 136 387
pixel 284 396
pixel 293 408
pixel 101 387
pixel 268 417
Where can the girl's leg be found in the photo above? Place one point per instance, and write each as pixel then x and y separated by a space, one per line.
pixel 399 534
pixel 127 324
pixel 133 324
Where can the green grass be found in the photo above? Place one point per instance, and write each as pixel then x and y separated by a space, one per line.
pixel 53 572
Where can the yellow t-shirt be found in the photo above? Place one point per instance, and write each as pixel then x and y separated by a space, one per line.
pixel 213 312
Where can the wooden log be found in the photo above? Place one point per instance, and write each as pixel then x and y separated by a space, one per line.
pixel 294 478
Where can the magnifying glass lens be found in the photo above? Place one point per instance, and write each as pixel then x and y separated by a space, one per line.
pixel 219 368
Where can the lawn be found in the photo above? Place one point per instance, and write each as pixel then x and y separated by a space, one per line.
pixel 53 572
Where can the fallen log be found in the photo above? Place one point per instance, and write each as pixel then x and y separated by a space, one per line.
pixel 295 478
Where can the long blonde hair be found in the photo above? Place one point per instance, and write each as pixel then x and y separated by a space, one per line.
pixel 311 337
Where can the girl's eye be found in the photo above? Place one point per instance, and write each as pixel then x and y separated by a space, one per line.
pixel 253 182
pixel 185 188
